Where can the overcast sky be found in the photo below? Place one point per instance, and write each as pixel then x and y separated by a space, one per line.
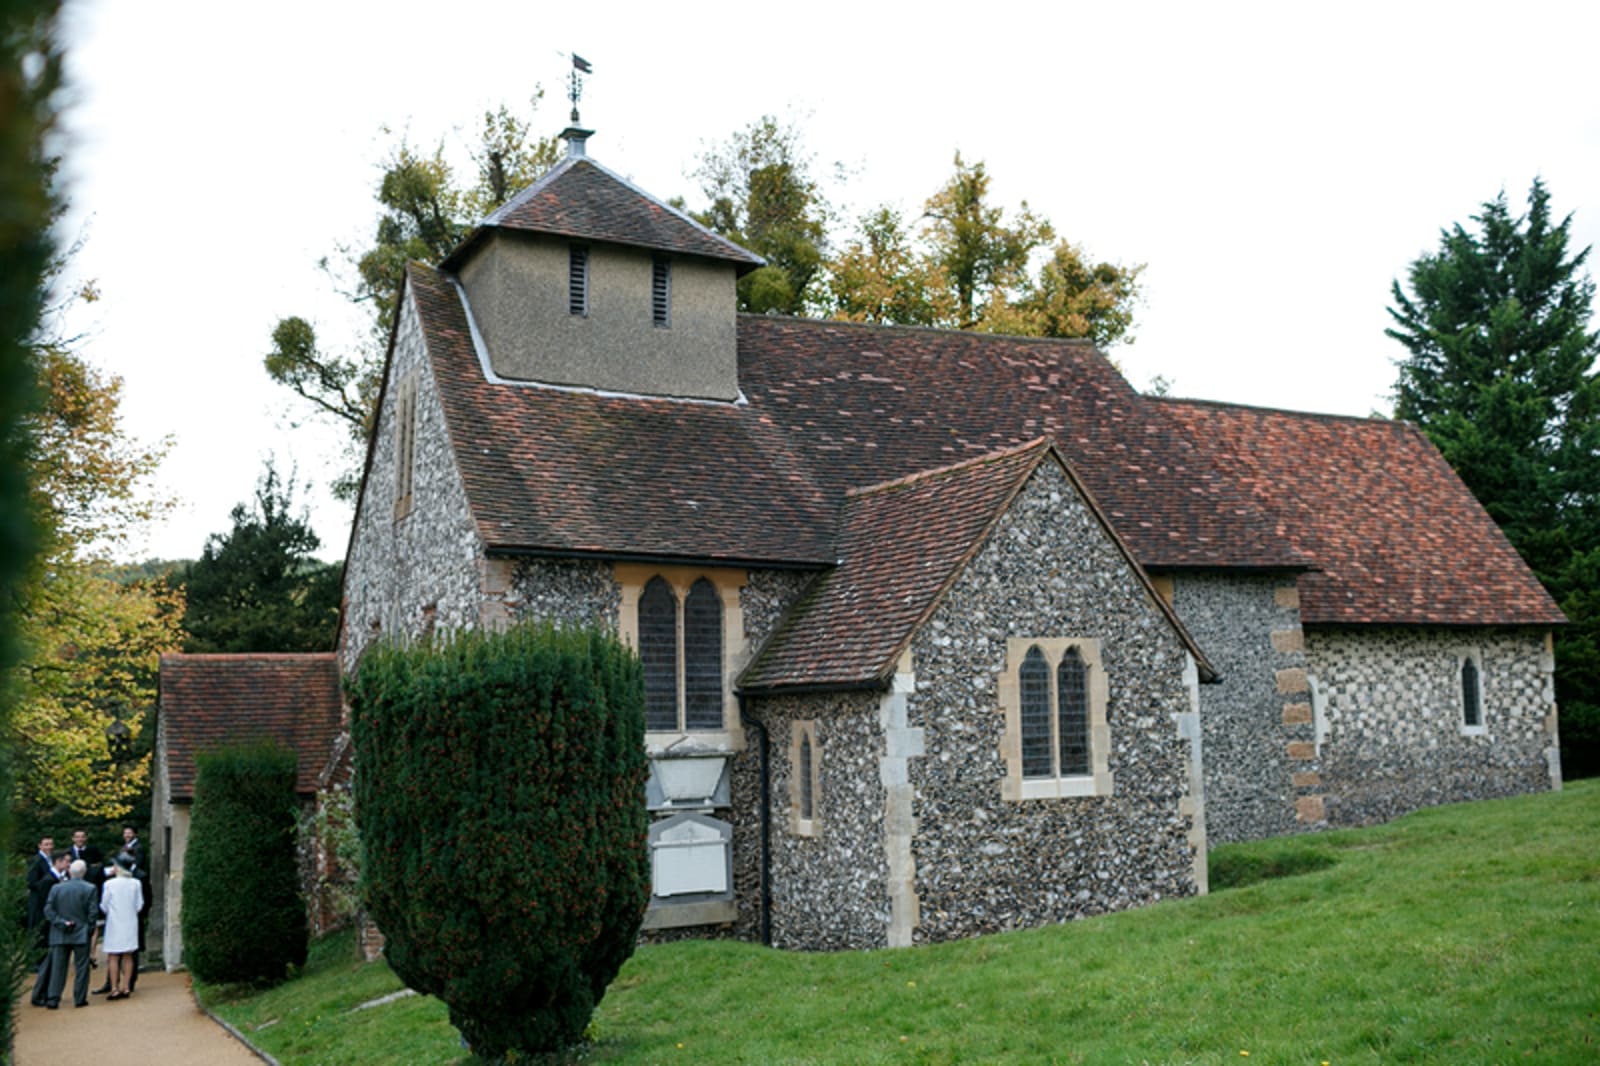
pixel 1275 165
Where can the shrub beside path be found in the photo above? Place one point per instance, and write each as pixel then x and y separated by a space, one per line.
pixel 159 1024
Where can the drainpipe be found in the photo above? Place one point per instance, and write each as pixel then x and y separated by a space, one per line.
pixel 766 820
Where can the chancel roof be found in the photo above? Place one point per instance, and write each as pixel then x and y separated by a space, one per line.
pixel 1397 538
pixel 209 701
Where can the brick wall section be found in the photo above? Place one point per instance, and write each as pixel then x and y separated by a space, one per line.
pixel 1257 723
pixel 983 864
pixel 1393 711
pixel 422 572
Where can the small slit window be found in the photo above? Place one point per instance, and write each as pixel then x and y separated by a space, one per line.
pixel 661 292
pixel 805 784
pixel 577 280
pixel 405 425
pixel 1470 677
pixel 807 795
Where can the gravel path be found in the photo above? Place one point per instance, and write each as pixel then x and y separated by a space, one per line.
pixel 158 1024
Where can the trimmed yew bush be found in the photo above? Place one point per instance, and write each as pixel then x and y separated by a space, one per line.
pixel 500 801
pixel 243 915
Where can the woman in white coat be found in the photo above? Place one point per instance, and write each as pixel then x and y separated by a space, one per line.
pixel 120 901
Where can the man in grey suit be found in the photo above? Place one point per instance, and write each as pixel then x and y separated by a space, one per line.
pixel 70 910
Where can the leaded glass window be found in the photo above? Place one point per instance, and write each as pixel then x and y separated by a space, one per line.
pixel 1033 680
pixel 702 657
pixel 1072 696
pixel 658 652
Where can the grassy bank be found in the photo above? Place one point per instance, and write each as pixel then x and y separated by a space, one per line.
pixel 1463 934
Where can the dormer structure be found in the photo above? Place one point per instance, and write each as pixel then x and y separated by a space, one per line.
pixel 584 280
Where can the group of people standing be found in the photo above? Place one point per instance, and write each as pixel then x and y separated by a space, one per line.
pixel 78 901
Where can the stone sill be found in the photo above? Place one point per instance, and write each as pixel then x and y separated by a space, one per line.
pixel 678 915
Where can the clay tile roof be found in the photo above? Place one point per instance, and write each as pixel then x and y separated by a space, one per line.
pixel 575 472
pixel 208 701
pixel 901 545
pixel 582 200
pixel 1368 509
pixel 1396 536
pixel 870 403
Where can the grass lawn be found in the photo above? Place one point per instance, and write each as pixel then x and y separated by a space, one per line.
pixel 1463 934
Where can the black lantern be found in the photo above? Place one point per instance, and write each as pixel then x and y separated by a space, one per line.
pixel 119 741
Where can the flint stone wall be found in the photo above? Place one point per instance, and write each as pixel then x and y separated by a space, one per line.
pixel 409 576
pixel 982 864
pixel 1392 703
pixel 830 890
pixel 1246 722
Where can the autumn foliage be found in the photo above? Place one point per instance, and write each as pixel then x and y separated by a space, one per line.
pixel 500 802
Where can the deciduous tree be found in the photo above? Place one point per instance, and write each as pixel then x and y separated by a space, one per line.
pixel 764 197
pixel 1500 375
pixel 425 209
pixel 92 645
pixel 970 266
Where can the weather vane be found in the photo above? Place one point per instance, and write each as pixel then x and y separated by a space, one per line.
pixel 580 67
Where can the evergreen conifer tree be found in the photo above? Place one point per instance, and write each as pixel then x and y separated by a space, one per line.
pixel 243 916
pixel 1501 377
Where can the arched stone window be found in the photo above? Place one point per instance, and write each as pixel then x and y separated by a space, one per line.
pixel 1033 684
pixel 1057 739
pixel 658 652
pixel 1072 701
pixel 687 626
pixel 702 657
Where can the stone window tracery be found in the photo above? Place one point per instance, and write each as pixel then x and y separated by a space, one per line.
pixel 687 627
pixel 1056 740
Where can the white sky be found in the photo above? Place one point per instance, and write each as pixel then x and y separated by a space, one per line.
pixel 1275 165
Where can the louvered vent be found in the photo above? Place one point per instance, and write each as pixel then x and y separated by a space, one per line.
pixel 661 292
pixel 578 280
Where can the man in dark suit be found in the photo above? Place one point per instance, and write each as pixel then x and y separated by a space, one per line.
pixel 71 911
pixel 131 844
pixel 80 845
pixel 41 973
pixel 41 879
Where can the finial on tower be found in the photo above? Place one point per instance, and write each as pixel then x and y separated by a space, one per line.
pixel 575 135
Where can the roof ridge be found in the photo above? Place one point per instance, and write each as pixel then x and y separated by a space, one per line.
pixel 1326 416
pixel 995 456
pixel 899 327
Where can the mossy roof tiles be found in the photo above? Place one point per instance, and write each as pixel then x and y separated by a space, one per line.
pixel 208 701
pixel 1397 538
